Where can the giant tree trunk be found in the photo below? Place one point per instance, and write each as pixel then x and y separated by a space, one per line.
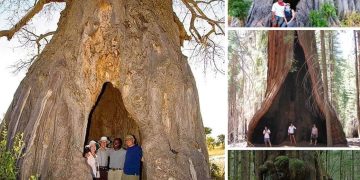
pixel 286 165
pixel 260 11
pixel 294 92
pixel 326 92
pixel 112 68
pixel 357 74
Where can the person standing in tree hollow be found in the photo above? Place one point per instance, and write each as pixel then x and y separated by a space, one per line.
pixel 314 134
pixel 133 158
pixel 103 155
pixel 277 13
pixel 266 133
pixel 291 133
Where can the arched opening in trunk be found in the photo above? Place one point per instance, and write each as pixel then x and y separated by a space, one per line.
pixel 293 103
pixel 110 118
pixel 293 3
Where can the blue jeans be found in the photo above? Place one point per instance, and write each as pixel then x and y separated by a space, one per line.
pixel 279 21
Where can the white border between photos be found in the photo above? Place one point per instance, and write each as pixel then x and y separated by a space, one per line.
pixel 227 148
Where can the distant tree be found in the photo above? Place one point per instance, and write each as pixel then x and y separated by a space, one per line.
pixel 221 139
pixel 210 141
pixel 208 130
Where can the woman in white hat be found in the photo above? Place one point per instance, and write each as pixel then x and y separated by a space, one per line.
pixel 91 159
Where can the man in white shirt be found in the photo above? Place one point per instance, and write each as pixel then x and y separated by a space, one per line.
pixel 266 133
pixel 278 15
pixel 103 155
pixel 291 133
pixel 117 160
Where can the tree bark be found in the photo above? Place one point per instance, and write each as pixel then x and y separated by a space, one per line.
pixel 291 105
pixel 326 96
pixel 245 165
pixel 356 40
pixel 135 46
pixel 260 12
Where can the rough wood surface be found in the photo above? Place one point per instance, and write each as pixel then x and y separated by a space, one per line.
pixel 260 11
pixel 135 46
pixel 280 83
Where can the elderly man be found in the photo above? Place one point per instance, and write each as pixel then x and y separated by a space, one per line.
pixel 103 155
pixel 133 159
pixel 117 160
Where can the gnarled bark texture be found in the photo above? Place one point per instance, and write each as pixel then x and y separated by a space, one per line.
pixel 132 47
pixel 294 92
pixel 260 12
pixel 292 165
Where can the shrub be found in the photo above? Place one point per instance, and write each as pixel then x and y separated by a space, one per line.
pixel 239 8
pixel 8 157
pixel 352 20
pixel 320 18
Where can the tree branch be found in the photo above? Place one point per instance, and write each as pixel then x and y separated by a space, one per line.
pixel 24 20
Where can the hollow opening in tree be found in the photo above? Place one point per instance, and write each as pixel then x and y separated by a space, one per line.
pixel 293 3
pixel 110 118
pixel 293 103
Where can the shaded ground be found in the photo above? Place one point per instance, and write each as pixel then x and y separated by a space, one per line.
pixel 352 142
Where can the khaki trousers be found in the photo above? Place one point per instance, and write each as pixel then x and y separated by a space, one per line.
pixel 115 174
pixel 129 177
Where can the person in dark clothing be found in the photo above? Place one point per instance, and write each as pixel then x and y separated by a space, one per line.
pixel 133 158
pixel 289 16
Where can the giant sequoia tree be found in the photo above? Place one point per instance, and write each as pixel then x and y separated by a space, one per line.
pixel 295 92
pixel 112 68
pixel 260 12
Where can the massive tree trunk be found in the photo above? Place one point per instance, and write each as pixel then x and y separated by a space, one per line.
pixel 112 68
pixel 286 165
pixel 294 92
pixel 326 91
pixel 260 11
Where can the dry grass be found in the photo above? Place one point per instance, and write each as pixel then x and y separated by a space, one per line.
pixel 217 151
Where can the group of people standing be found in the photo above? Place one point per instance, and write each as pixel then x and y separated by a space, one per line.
pixel 291 134
pixel 282 15
pixel 114 163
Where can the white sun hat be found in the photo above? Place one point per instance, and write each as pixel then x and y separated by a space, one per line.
pixel 104 138
pixel 92 142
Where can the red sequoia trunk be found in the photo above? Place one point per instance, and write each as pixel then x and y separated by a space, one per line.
pixel 294 91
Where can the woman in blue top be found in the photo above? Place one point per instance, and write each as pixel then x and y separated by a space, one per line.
pixel 289 16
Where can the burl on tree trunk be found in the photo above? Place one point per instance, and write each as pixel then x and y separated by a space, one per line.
pixel 290 165
pixel 260 11
pixel 294 92
pixel 112 68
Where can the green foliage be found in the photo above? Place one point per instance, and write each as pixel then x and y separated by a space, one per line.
pixel 216 172
pixel 317 19
pixel 320 18
pixel 297 168
pixel 8 157
pixel 208 130
pixel 210 142
pixel 239 8
pixel 221 140
pixel 281 162
pixel 351 20
pixel 294 65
